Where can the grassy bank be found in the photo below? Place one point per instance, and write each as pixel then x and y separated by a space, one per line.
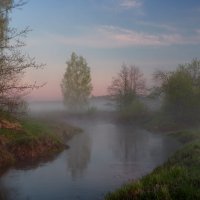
pixel 178 178
pixel 31 141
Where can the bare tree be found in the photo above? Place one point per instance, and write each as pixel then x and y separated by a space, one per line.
pixel 137 82
pixel 127 85
pixel 13 63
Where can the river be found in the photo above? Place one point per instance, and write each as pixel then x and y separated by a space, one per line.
pixel 100 159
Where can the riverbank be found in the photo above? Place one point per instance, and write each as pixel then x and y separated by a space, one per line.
pixel 178 178
pixel 30 140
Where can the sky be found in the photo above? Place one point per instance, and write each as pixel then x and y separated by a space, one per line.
pixel 156 34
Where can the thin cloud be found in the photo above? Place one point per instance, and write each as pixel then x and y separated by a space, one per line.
pixel 116 37
pixel 120 37
pixel 128 4
pixel 165 27
pixel 124 5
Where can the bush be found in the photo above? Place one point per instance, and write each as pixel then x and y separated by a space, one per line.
pixel 91 110
pixel 181 92
pixel 135 110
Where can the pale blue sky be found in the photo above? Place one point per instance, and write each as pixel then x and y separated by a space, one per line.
pixel 156 34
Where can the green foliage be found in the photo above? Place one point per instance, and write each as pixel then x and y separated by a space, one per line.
pixel 76 84
pixel 180 97
pixel 187 136
pixel 181 89
pixel 163 121
pixel 134 110
pixel 91 110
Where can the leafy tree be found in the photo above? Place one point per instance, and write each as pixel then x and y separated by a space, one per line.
pixel 181 91
pixel 13 63
pixel 127 86
pixel 76 84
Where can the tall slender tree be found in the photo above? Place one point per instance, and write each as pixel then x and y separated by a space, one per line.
pixel 76 84
pixel 4 8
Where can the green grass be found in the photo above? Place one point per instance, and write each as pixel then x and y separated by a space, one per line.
pixel 33 141
pixel 177 179
pixel 31 132
pixel 161 122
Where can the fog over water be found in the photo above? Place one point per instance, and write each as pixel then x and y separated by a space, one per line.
pixel 100 159
pixel 142 54
pixel 100 104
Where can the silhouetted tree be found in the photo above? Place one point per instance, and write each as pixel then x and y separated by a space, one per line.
pixel 13 63
pixel 76 84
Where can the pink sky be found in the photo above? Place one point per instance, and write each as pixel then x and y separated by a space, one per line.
pixel 107 34
pixel 52 91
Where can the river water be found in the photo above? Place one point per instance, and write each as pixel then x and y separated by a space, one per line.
pixel 100 159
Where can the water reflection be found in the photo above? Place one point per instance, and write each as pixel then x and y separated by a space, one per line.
pixel 3 192
pixel 133 145
pixel 100 159
pixel 78 155
pixel 126 146
pixel 6 193
pixel 35 163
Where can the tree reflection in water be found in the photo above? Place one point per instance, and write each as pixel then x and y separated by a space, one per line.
pixel 6 193
pixel 78 155
pixel 127 147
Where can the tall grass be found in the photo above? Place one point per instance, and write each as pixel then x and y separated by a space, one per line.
pixel 177 179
